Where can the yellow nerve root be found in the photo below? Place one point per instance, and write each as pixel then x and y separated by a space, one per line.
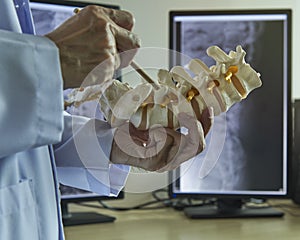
pixel 191 94
pixel 231 70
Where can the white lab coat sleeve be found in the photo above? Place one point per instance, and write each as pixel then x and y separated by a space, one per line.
pixel 31 98
pixel 82 158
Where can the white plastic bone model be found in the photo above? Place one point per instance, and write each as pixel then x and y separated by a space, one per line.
pixel 220 86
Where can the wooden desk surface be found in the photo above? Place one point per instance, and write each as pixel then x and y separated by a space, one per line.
pixel 167 224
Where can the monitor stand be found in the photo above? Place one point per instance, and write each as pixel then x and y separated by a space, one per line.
pixel 230 208
pixel 80 218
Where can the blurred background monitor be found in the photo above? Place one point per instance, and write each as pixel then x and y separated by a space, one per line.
pixel 48 15
pixel 252 159
pixel 296 153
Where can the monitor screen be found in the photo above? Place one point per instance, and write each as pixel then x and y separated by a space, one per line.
pixel 48 15
pixel 248 148
pixel 295 192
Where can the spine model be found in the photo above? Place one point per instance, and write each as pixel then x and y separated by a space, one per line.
pixel 229 81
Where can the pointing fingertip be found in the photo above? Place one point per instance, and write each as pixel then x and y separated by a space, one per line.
pixel 135 39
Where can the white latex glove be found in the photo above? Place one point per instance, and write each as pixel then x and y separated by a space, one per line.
pixel 161 149
pixel 94 36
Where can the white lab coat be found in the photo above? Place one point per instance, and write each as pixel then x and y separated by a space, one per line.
pixel 31 121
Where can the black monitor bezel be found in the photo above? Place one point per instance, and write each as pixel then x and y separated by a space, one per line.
pixel 288 13
pixel 76 3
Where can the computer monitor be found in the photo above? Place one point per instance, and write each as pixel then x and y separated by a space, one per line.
pixel 248 149
pixel 47 15
pixel 295 192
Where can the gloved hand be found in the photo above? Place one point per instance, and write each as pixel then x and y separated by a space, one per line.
pixel 161 149
pixel 93 36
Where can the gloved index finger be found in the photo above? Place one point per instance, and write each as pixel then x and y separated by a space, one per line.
pixel 121 24
pixel 122 18
pixel 127 43
pixel 125 39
